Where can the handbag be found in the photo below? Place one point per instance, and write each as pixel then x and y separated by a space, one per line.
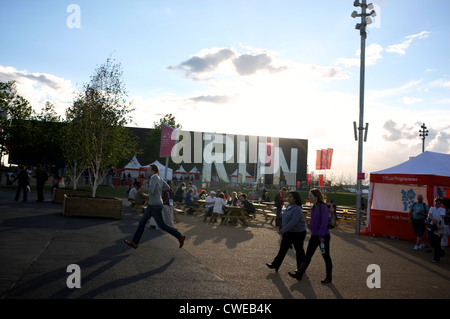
pixel 440 229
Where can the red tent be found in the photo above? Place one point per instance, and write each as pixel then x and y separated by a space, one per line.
pixel 392 192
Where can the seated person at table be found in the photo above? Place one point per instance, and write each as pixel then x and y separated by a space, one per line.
pixel 266 197
pixel 179 194
pixel 132 191
pixel 252 195
pixel 209 204
pixel 189 201
pixel 249 207
pixel 195 193
pixel 219 203
pixel 141 197
pixel 233 200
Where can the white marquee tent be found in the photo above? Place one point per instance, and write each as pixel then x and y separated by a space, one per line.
pixel 132 167
pixel 162 170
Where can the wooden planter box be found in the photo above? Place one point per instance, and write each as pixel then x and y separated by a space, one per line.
pixel 80 206
pixel 58 194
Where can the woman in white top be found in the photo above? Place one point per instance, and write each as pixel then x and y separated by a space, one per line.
pixel 218 207
pixel 436 215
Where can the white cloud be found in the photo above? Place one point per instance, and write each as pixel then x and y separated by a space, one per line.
pixel 372 55
pixel 411 100
pixel 402 47
pixel 39 88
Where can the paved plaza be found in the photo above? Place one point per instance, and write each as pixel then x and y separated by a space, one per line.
pixel 38 244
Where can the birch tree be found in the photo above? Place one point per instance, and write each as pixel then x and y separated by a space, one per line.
pixel 97 138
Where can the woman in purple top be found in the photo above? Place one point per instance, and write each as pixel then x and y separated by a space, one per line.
pixel 320 235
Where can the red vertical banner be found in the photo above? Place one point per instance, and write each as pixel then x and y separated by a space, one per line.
pixel 319 160
pixel 329 157
pixel 323 158
pixel 321 180
pixel 166 142
pixel 309 179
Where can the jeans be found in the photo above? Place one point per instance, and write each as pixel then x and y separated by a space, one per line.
pixel 313 243
pixel 154 211
pixel 291 238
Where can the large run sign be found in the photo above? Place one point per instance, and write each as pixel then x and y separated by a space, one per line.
pixel 221 154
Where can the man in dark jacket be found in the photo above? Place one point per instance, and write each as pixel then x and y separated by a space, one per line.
pixel 23 181
pixel 41 178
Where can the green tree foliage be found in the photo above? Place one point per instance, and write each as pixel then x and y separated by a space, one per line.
pixel 96 138
pixel 15 110
pixel 32 137
pixel 152 142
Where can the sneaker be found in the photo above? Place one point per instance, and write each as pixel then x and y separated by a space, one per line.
pixel 422 245
pixel 416 247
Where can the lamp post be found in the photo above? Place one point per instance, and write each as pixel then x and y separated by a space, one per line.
pixel 423 133
pixel 365 20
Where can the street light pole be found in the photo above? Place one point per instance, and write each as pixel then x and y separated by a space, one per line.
pixel 365 20
pixel 423 134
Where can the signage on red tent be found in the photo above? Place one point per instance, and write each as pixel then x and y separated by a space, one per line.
pixel 167 143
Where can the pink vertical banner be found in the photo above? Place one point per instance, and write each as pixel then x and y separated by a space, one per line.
pixel 323 159
pixel 166 142
pixel 329 157
pixel 319 160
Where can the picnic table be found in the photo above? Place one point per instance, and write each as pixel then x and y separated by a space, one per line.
pixel 237 213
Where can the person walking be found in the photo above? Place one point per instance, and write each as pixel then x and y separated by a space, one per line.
pixel 417 215
pixel 279 203
pixel 154 209
pixel 293 231
pixel 320 236
pixel 41 177
pixel 436 217
pixel 167 212
pixel 23 181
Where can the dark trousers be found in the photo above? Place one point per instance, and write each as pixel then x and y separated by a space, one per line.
pixel 289 239
pixel 156 212
pixel 435 243
pixel 40 191
pixel 23 188
pixel 313 243
pixel 278 218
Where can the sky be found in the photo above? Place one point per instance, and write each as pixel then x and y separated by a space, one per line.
pixel 284 68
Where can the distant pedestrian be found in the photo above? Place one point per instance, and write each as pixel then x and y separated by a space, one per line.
pixel 417 215
pixel 23 180
pixel 279 203
pixel 154 209
pixel 41 178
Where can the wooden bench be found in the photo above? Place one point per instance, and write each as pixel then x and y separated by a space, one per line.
pixel 176 212
pixel 269 215
pixel 348 216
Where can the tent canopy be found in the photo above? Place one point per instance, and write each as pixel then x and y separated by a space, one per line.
pixel 162 170
pixel 393 191
pixel 426 167
pixel 132 167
